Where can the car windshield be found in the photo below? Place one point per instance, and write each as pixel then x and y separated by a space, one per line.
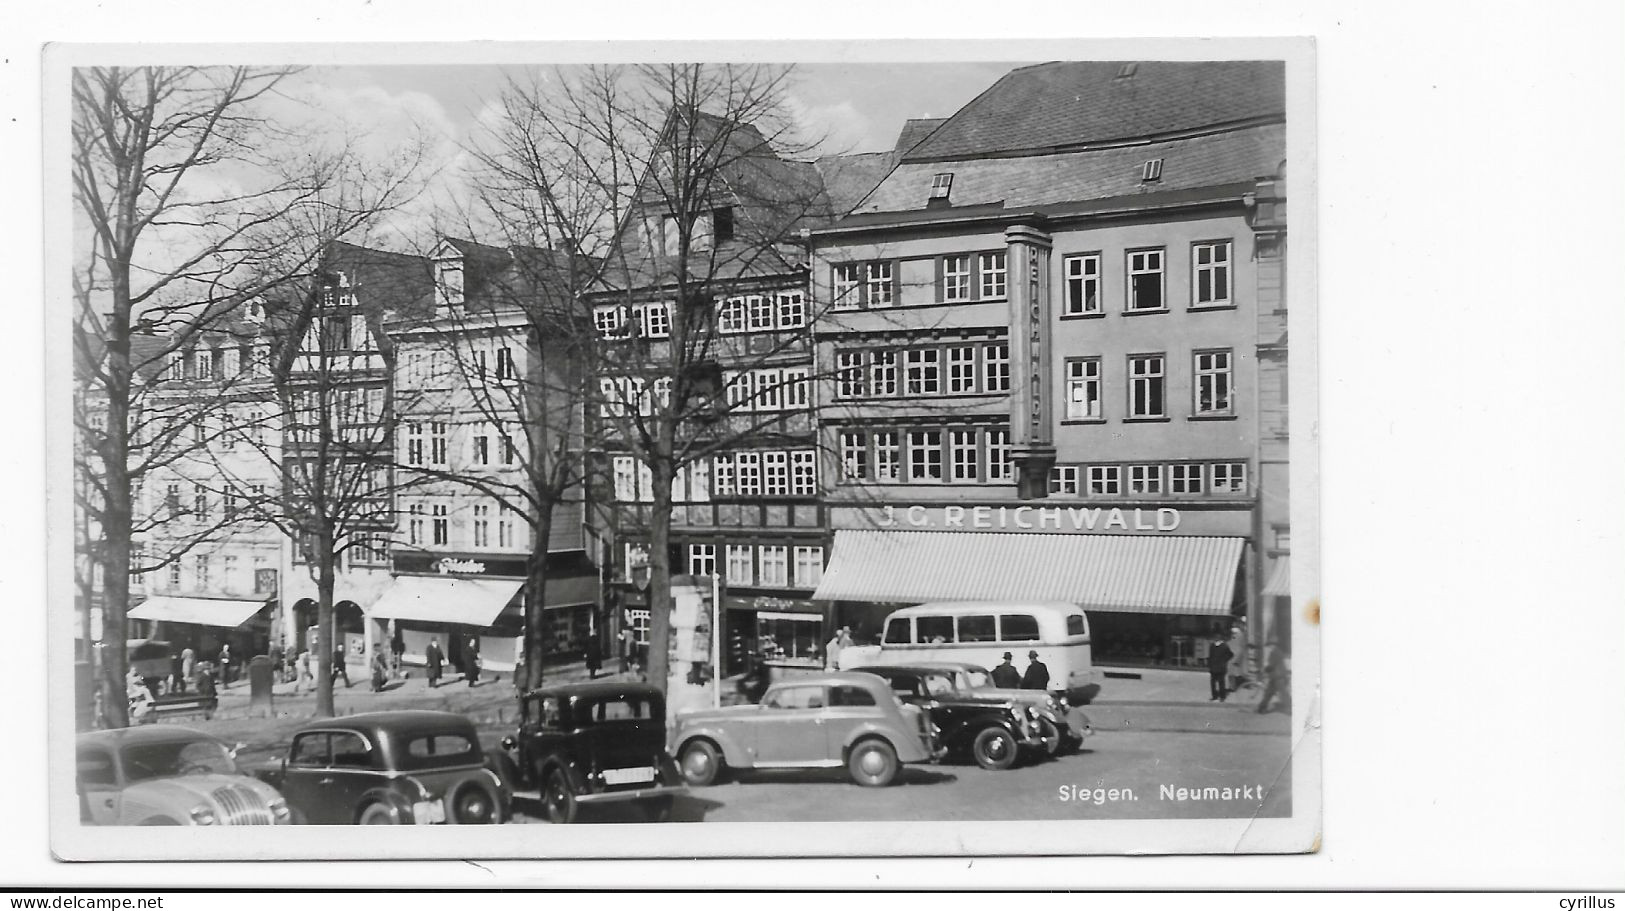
pixel 177 757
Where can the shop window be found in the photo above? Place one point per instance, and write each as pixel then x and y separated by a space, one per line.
pixel 978 628
pixel 1018 628
pixel 933 629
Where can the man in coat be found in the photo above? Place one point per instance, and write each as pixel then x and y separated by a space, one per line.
pixel 471 661
pixel 1276 677
pixel 1037 675
pixel 1005 676
pixel 1218 667
pixel 595 656
pixel 436 659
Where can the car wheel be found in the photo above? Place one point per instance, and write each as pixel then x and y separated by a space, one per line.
pixel 472 804
pixel 1051 735
pixel 700 764
pixel 378 814
pixel 658 809
pixel 559 798
pixel 506 769
pixel 872 763
pixel 995 748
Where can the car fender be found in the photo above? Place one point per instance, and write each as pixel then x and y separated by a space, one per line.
pixel 389 797
pixel 732 752
pixel 908 747
pixel 573 772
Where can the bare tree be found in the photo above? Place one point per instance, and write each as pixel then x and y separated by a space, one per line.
pixel 188 198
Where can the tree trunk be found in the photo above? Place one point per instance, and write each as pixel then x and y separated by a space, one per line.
pixel 536 599
pixel 116 514
pixel 660 579
pixel 324 625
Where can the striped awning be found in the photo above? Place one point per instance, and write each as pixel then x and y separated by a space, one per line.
pixel 445 599
pixel 1280 583
pixel 225 613
pixel 1119 573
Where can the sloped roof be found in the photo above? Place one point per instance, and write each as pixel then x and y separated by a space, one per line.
pixel 1055 106
pixel 915 131
pixel 849 178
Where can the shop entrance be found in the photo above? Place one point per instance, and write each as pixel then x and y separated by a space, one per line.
pixel 1155 640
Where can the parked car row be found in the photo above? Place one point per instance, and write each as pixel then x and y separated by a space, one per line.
pixel 575 746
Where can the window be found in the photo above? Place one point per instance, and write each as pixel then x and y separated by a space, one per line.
pixel 230 362
pixel 809 566
pixel 888 464
pixel 991 267
pixel 804 473
pixel 850 695
pixel 882 373
pixel 1145 386
pixel 450 284
pixel 999 467
pixel 1105 480
pixel 482 525
pixel 200 505
pixel 228 505
pixel 737 390
pixel 264 580
pixel 924 371
pixel 792 307
pixel 441 525
pixel 722 223
pixel 201 572
pixel 203 364
pixel 437 443
pixel 1018 628
pixel 748 467
pixel 1145 279
pixel 899 631
pixel 964 456
pixel 797 697
pixel 507 528
pixel 702 559
pixel 510 449
pixel 1083 389
pixel 776 473
pixel 1229 477
pixel 1145 479
pixel 731 315
pixel 996 367
pixel 505 369
pixel 615 391
pixel 741 564
pixel 795 387
pixel 962 369
pixel 722 474
pixel 1076 625
pixel 934 629
pixel 175 575
pixel 956 278
pixel 759 311
pixel 1082 285
pixel 1063 479
pixel 336 333
pixel 626 478
pixel 414 443
pixel 482 444
pixel 1210 274
pixel 1185 478
pixel 775 566
pixel 877 284
pixel 849 374
pixel 172 498
pixel 1151 170
pixel 845 286
pixel 1213 382
pixel 925 455
pixel 655 319
pixel 414 524
pixel 942 185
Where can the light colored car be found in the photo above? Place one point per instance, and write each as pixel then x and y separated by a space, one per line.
pixel 169 776
pixel 818 721
pixel 1071 725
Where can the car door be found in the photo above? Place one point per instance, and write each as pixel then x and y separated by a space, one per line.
pixel 302 784
pixel 850 707
pixel 790 726
pixel 97 780
pixel 350 774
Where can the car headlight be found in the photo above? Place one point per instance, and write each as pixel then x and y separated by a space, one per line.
pixel 279 809
pixel 203 814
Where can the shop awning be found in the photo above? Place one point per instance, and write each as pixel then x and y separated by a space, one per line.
pixel 225 613
pixel 1121 573
pixel 1280 583
pixel 445 599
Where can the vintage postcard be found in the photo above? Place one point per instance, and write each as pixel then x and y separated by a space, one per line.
pixel 679 450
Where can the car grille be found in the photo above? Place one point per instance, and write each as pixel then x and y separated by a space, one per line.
pixel 242 807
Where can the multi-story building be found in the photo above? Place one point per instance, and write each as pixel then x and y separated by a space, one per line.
pixel 473 375
pixel 1039 356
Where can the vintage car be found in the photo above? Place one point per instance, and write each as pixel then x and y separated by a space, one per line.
pixel 993 731
pixel 592 744
pixel 389 768
pixel 1070 725
pixel 816 721
pixel 169 776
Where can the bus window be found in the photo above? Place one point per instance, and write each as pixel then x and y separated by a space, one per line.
pixel 897 631
pixel 978 628
pixel 1018 628
pixel 1075 625
pixel 933 629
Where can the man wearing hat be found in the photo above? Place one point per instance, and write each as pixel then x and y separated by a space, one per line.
pixel 1005 676
pixel 1037 675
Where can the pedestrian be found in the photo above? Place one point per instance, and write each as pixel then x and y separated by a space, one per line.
pixel 276 661
pixel 1005 676
pixel 302 671
pixel 188 665
pixel 1277 675
pixel 340 669
pixel 435 659
pixel 832 652
pixel 595 656
pixel 380 672
pixel 628 640
pixel 397 650
pixel 1218 667
pixel 1037 675
pixel 205 681
pixel 225 665
pixel 471 661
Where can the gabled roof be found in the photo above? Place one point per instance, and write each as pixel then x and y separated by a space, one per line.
pixel 849 178
pixel 915 131
pixel 1057 106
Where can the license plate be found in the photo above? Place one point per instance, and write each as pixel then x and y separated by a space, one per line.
pixel 628 776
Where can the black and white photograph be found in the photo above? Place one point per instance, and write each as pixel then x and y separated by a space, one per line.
pixel 671 450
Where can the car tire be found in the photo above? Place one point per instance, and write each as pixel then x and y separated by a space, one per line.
pixel 994 748
pixel 658 809
pixel 872 763
pixel 559 798
pixel 473 804
pixel 505 768
pixel 1051 735
pixel 378 814
pixel 700 763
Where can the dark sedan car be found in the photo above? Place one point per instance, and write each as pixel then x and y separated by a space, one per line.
pixel 390 768
pixel 993 731
pixel 593 743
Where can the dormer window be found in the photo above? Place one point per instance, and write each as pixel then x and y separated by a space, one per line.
pixel 941 185
pixel 1127 70
pixel 1152 170
pixel 722 223
pixel 449 282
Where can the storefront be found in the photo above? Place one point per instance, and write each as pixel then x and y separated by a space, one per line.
pixel 475 603
pixel 1157 583
pixel 205 624
pixel 771 628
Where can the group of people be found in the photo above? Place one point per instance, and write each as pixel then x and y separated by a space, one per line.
pixel 1035 677
pixel 1220 676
